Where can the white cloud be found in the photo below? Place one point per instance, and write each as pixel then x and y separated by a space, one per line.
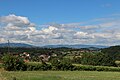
pixel 20 29
pixel 49 30
pixel 15 28
pixel 2 40
pixel 14 19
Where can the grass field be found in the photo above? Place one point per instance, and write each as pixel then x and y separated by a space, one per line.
pixel 59 75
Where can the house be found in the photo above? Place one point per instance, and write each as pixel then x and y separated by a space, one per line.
pixel 44 57
pixel 25 56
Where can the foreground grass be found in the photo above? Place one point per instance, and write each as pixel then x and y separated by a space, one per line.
pixel 59 75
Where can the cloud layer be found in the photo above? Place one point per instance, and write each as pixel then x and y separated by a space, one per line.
pixel 102 31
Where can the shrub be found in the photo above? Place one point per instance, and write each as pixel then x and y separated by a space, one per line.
pixel 85 68
pixel 76 60
pixel 13 63
pixel 96 68
pixel 97 59
pixel 66 64
pixel 38 66
pixel 117 63
pixel 56 64
pixel 1 65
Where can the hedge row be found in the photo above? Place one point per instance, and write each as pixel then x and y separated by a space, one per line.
pixel 34 66
pixel 13 63
pixel 37 66
pixel 96 68
pixel 43 67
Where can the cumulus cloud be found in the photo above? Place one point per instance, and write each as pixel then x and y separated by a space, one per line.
pixel 83 35
pixel 15 27
pixel 99 31
pixel 14 19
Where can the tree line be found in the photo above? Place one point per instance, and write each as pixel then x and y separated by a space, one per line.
pixel 104 57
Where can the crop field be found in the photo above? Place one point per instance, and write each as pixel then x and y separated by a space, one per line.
pixel 58 75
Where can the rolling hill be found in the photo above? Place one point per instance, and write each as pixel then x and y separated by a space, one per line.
pixel 51 46
pixel 16 45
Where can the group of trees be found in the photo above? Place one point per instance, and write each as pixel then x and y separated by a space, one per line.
pixel 95 59
pixel 105 57
pixel 64 64
pixel 13 63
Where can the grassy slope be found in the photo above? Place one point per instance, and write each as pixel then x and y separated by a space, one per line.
pixel 61 75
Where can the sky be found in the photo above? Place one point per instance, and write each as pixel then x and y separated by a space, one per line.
pixel 53 22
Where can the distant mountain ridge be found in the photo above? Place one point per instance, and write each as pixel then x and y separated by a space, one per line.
pixel 16 45
pixel 51 46
pixel 75 46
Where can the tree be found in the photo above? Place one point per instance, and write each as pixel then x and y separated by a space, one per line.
pixel 13 63
pixel 55 64
pixel 66 64
pixel 76 60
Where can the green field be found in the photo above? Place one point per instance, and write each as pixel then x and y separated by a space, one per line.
pixel 59 75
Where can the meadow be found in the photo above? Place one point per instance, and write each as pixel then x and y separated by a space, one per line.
pixel 59 75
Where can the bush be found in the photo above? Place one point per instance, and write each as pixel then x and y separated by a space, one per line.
pixel 97 59
pixel 117 63
pixel 96 68
pixel 1 65
pixel 85 68
pixel 38 66
pixel 64 64
pixel 76 60
pixel 56 64
pixel 13 63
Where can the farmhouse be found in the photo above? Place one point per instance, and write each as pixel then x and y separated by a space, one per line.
pixel 44 57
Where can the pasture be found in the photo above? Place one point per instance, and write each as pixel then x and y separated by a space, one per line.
pixel 58 75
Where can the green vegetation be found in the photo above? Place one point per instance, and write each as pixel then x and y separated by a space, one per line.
pixel 1 65
pixel 59 75
pixel 117 63
pixel 13 63
pixel 62 59
pixel 37 66
pixel 63 64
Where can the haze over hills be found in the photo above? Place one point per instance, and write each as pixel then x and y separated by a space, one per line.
pixel 51 46
pixel 75 46
pixel 16 45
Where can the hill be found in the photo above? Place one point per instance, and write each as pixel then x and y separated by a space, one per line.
pixel 16 45
pixel 51 46
pixel 75 46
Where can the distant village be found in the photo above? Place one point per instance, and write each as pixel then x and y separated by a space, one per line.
pixel 27 56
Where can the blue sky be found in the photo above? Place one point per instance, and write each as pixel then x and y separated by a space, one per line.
pixel 60 21
pixel 60 11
